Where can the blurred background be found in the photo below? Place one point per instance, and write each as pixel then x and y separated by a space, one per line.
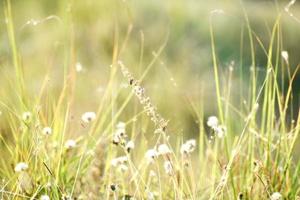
pixel 181 77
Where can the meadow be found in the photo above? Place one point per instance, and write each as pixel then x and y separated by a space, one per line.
pixel 137 99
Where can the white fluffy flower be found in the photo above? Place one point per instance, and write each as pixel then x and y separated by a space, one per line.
pixel 26 116
pixel 45 197
pixel 120 132
pixel 21 166
pixel 129 146
pixel 116 139
pixel 151 154
pixel 163 149
pixel 188 146
pixel 120 129
pixel 276 196
pixel 70 144
pixel 88 117
pixel 47 131
pixel 220 131
pixel 212 121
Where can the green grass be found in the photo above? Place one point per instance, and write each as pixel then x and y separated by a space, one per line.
pixel 80 158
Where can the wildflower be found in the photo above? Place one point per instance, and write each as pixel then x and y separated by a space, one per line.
pixel 70 144
pixel 116 140
pixel 212 121
pixel 276 196
pixel 120 133
pixel 26 116
pixel 168 167
pixel 88 117
pixel 220 131
pixel 78 67
pixel 45 197
pixel 163 149
pixel 129 146
pixel 188 147
pixel 47 131
pixel 21 166
pixel 151 154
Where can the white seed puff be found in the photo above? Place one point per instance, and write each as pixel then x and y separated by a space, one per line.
pixel 188 147
pixel 163 149
pixel 45 197
pixel 88 117
pixel 151 155
pixel 70 144
pixel 47 131
pixel 212 121
pixel 276 196
pixel 26 116
pixel 21 166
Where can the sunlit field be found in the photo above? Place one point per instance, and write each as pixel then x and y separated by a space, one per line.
pixel 149 99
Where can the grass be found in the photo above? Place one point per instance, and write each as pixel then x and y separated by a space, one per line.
pixel 121 146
